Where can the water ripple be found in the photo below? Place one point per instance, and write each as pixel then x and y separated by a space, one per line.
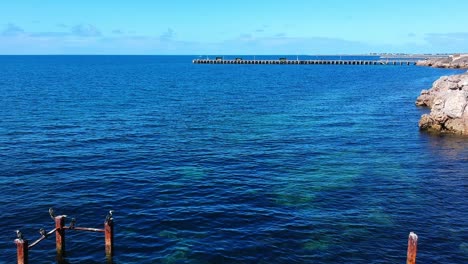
pixel 227 163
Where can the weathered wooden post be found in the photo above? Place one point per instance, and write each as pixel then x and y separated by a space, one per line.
pixel 60 236
pixel 412 248
pixel 22 250
pixel 109 236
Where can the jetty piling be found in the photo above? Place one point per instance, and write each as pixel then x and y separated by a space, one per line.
pixel 284 61
pixel 60 235
pixel 412 248
pixel 22 250
pixel 109 238
pixel 23 247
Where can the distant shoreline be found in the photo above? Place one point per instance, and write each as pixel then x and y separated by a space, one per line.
pixel 455 61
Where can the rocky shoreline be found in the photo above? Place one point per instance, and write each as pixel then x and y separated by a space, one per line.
pixel 457 61
pixel 448 100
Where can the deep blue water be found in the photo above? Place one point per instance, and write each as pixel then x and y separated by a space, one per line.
pixel 227 163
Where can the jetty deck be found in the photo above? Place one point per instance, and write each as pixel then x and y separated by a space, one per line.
pixel 306 62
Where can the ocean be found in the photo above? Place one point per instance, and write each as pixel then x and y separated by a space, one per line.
pixel 227 163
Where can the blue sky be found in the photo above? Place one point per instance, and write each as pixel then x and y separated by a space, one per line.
pixel 202 27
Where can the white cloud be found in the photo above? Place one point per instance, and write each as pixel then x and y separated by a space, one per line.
pixel 168 35
pixel 12 30
pixel 88 39
pixel 448 42
pixel 85 30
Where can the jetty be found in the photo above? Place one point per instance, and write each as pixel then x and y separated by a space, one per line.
pixel 284 61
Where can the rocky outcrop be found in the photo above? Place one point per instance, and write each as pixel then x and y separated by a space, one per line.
pixel 458 61
pixel 448 100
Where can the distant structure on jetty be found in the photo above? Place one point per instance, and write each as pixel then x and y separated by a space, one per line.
pixel 220 60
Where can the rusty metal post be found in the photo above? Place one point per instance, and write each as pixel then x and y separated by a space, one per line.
pixel 412 248
pixel 22 250
pixel 109 236
pixel 60 236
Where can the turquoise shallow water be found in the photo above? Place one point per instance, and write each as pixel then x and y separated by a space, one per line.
pixel 227 163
